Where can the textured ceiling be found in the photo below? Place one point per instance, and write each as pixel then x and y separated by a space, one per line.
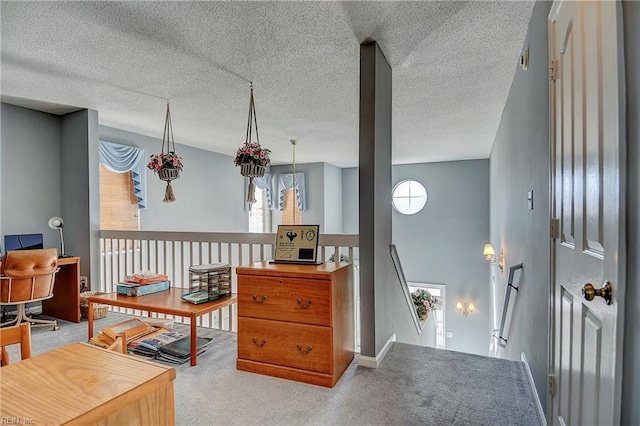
pixel 453 64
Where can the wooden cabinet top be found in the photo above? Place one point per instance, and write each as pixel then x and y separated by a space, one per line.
pixel 78 382
pixel 266 268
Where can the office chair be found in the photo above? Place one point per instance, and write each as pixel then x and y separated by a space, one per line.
pixel 13 335
pixel 28 276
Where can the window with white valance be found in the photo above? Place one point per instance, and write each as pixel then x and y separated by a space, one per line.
pixel 285 181
pixel 265 182
pixel 123 158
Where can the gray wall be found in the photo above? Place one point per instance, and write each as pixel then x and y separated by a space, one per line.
pixel 443 243
pixel 46 172
pixel 350 201
pixel 377 281
pixel 314 182
pixel 520 163
pixel 209 193
pixel 631 377
pixel 30 185
pixel 332 199
pixel 81 190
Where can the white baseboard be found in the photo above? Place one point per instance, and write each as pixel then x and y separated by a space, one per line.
pixel 374 362
pixel 541 416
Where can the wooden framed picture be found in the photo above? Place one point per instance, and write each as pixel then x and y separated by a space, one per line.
pixel 297 244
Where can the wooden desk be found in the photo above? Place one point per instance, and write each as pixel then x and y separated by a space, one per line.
pixel 164 302
pixel 83 384
pixel 65 303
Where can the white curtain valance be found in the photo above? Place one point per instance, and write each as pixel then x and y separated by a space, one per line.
pixel 265 182
pixel 123 158
pixel 285 181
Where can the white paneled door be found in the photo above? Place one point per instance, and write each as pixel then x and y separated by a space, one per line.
pixel 587 107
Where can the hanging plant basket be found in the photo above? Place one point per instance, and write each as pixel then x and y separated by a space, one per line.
pixel 166 174
pixel 252 170
pixel 424 303
pixel 167 164
pixel 251 157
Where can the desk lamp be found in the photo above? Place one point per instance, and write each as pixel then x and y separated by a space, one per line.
pixel 57 223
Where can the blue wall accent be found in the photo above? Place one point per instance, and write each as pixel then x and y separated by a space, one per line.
pixel 519 164
pixel 209 193
pixel 30 173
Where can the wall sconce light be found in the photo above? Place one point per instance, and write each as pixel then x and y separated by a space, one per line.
pixel 465 308
pixel 490 255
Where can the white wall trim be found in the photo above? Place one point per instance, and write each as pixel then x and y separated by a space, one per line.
pixel 541 416
pixel 374 362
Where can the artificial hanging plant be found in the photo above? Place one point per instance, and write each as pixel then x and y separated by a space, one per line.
pixel 251 157
pixel 424 303
pixel 167 164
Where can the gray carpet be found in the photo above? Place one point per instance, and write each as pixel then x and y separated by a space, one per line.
pixel 413 386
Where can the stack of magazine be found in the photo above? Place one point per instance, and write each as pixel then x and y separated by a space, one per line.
pixel 150 345
pixel 148 341
pixel 168 346
pixel 179 351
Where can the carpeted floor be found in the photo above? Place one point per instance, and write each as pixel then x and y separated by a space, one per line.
pixel 413 386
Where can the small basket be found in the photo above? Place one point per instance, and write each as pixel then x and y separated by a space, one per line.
pixel 251 170
pixel 99 310
pixel 168 174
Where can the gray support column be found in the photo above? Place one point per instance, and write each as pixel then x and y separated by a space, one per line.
pixel 375 199
pixel 80 190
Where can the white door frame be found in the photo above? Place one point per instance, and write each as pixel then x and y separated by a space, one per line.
pixel 618 267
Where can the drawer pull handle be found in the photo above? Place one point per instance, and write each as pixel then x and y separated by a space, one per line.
pixel 259 345
pixel 302 305
pixel 281 281
pixel 261 301
pixel 303 351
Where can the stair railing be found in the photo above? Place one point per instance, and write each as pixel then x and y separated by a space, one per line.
pixel 503 330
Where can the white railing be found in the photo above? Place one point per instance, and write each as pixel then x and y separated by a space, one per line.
pixel 171 253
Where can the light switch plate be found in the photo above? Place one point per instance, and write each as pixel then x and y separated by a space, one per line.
pixel 530 199
pixel 449 335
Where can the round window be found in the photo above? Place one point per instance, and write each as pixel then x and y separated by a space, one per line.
pixel 409 197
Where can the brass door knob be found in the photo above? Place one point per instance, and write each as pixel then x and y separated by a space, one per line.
pixel 589 292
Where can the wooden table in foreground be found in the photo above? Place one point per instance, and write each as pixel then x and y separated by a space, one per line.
pixel 83 384
pixel 164 302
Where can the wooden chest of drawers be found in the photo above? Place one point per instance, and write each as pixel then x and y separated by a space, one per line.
pixel 296 321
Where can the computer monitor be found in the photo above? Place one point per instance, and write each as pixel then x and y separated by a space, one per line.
pixel 23 242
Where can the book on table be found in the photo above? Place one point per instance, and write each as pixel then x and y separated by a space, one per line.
pixel 129 289
pixel 146 278
pixel 196 297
